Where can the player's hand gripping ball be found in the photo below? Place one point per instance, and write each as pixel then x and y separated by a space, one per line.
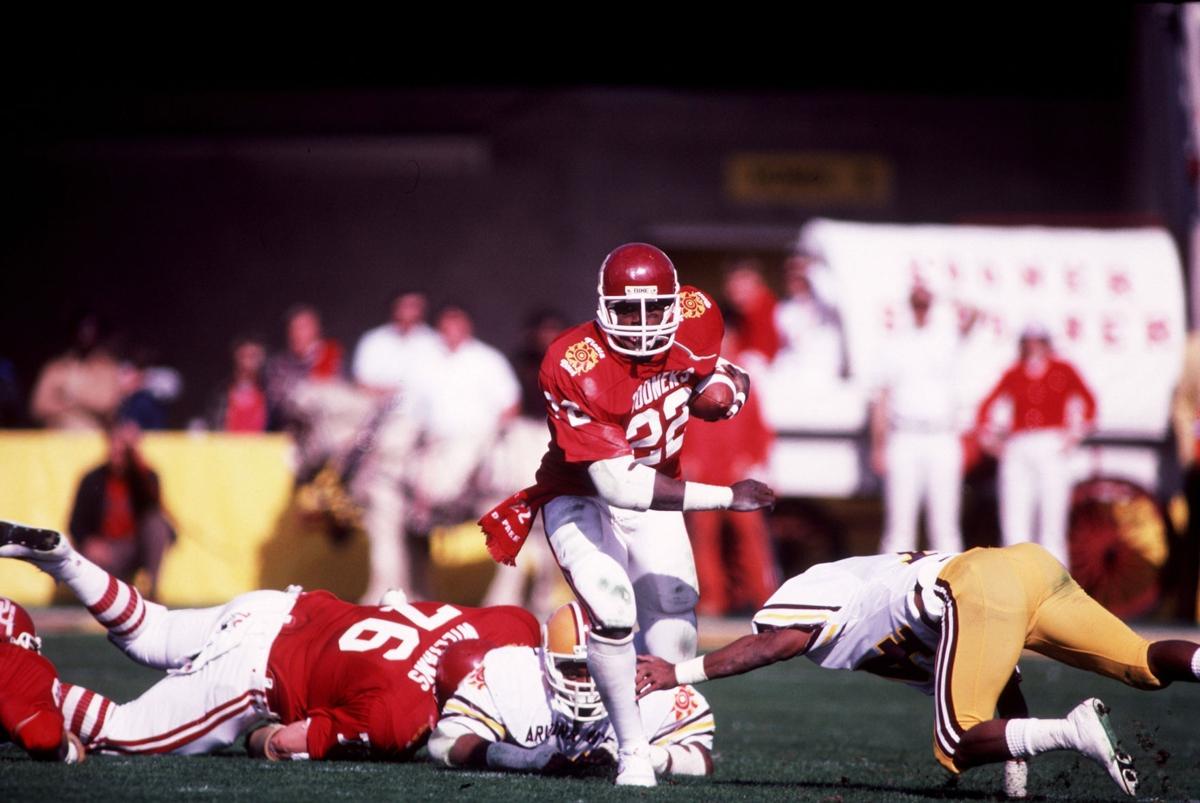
pixel 714 398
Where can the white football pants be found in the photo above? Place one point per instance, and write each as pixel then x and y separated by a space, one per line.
pixel 922 467
pixel 1035 490
pixel 628 567
pixel 216 684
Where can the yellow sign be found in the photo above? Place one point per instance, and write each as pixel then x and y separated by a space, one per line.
pixel 809 178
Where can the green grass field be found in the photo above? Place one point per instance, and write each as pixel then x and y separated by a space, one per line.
pixel 788 732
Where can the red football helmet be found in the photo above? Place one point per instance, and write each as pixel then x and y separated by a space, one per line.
pixel 16 626
pixel 459 660
pixel 638 278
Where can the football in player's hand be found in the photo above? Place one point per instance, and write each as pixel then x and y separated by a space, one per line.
pixel 713 398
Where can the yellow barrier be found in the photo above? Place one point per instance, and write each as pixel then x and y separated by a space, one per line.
pixel 225 493
pixel 230 497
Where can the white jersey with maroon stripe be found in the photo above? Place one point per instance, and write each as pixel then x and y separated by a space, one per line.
pixel 507 699
pixel 876 613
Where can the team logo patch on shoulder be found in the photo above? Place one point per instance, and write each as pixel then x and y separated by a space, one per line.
pixel 582 357
pixel 693 304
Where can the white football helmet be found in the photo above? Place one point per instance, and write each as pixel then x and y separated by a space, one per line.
pixel 564 647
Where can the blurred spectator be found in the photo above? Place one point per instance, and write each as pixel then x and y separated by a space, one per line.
pixel 118 521
pixel 1185 414
pixel 738 572
pixel 754 303
pixel 1051 410
pixel 915 443
pixel 812 345
pixel 146 391
pixel 309 355
pixel 388 356
pixel 79 389
pixel 396 360
pixel 10 395
pixel 241 405
pixel 541 327
pixel 460 415
pixel 513 463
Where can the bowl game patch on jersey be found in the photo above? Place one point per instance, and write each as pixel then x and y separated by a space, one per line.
pixel 582 357
pixel 693 303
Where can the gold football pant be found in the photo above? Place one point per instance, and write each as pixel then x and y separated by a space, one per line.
pixel 998 601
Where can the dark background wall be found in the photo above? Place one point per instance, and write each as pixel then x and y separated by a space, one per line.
pixel 190 211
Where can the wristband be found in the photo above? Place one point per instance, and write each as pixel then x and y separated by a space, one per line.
pixel 698 496
pixel 690 671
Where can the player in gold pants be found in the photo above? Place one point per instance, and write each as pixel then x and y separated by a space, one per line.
pixel 999 601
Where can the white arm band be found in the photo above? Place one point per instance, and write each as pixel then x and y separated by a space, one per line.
pixel 623 483
pixel 690 671
pixel 698 496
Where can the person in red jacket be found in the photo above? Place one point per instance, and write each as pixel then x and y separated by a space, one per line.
pixel 735 563
pixel 29 688
pixel 1052 409
pixel 333 679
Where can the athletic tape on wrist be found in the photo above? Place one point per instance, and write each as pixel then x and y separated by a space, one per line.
pixel 698 496
pixel 690 671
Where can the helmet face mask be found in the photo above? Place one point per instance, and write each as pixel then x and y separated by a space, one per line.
pixel 16 626
pixel 564 664
pixel 639 300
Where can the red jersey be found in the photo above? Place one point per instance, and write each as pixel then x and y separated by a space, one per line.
pixel 604 404
pixel 364 676
pixel 29 715
pixel 1040 403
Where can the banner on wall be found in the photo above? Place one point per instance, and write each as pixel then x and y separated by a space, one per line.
pixel 1113 301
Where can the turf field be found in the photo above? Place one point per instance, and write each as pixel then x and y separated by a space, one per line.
pixel 788 732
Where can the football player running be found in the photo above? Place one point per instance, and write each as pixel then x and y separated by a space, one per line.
pixel 953 626
pixel 617 392
pixel 29 692
pixel 537 710
pixel 334 680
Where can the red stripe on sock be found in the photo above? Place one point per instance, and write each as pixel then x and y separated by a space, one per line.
pixel 135 599
pixel 101 718
pixel 85 700
pixel 110 595
pixel 132 628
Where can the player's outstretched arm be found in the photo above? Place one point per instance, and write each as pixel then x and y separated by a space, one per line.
pixel 747 653
pixel 471 751
pixel 623 483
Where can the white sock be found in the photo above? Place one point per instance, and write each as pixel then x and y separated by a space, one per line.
pixel 1031 737
pixel 116 604
pixel 1196 663
pixel 86 579
pixel 613 665
pixel 84 712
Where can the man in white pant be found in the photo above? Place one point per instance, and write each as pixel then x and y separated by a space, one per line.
pixel 915 442
pixel 1052 408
